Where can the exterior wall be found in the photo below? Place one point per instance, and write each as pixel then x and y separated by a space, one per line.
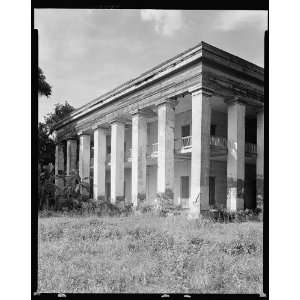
pixel 152 134
pixel 185 118
pixel 128 139
pixel 220 120
pixel 182 119
pixel 182 168
pixel 250 130
pixel 250 186
pixel 218 169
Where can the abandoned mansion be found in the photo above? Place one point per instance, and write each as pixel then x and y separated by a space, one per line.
pixel 192 127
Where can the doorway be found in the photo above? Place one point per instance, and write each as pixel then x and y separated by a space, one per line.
pixel 184 191
pixel 107 188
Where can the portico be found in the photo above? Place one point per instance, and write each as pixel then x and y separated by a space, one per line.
pixel 192 127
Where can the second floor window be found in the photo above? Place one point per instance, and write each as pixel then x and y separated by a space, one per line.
pixel 108 149
pixel 185 131
pixel 213 129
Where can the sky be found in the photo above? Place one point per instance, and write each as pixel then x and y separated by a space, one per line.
pixel 84 53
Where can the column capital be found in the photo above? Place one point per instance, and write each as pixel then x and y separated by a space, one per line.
pixel 145 112
pixel 197 89
pixel 120 120
pixel 260 110
pixel 71 138
pixel 234 100
pixel 100 126
pixel 82 132
pixel 59 143
pixel 170 101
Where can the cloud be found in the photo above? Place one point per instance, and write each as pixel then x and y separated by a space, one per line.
pixel 232 20
pixel 166 22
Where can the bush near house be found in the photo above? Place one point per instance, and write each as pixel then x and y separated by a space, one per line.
pixel 148 254
pixel 74 197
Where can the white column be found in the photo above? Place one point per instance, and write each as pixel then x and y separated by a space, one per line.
pixel 84 159
pixel 59 167
pixel 139 163
pixel 260 160
pixel 71 155
pixel 99 163
pixel 236 156
pixel 165 158
pixel 200 164
pixel 117 161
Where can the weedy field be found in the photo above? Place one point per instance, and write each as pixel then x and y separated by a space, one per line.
pixel 148 254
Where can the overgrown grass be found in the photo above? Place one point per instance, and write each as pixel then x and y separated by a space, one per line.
pixel 148 254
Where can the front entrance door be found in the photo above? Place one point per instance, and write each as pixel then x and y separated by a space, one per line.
pixel 107 187
pixel 184 191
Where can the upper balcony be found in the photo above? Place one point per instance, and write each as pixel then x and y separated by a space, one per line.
pixel 152 150
pixel 218 146
pixel 217 143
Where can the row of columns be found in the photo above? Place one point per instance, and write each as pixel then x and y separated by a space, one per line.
pixel 200 159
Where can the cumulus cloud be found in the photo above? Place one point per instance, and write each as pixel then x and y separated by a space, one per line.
pixel 166 22
pixel 232 20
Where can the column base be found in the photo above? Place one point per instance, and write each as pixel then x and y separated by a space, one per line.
pixel 235 194
pixel 119 202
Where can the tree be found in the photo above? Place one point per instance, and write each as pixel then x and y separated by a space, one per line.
pixel 46 144
pixel 44 88
pixel 60 112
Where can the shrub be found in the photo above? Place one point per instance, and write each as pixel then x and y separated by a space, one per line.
pixel 141 197
pixel 74 195
pixel 108 209
pixel 164 202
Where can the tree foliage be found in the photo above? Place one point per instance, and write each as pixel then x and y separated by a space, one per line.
pixel 45 129
pixel 44 88
pixel 46 145
pixel 60 112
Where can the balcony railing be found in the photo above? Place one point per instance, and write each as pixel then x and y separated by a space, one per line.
pixel 250 148
pixel 218 141
pixel 186 142
pixel 128 155
pixel 152 150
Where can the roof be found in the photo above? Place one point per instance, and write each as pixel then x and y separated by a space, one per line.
pixel 146 77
